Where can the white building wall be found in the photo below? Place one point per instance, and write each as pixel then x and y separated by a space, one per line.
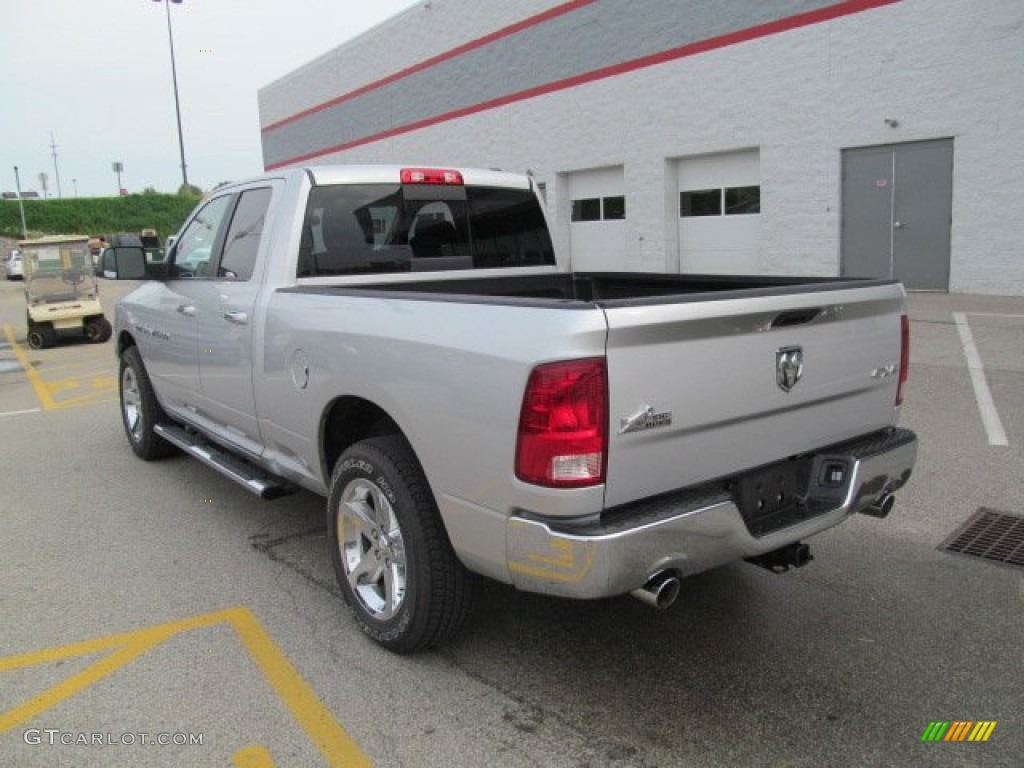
pixel 941 68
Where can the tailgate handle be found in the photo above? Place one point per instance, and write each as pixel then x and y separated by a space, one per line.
pixel 795 317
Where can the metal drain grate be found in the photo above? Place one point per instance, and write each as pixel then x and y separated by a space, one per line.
pixel 990 535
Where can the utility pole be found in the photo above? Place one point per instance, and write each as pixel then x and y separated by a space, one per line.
pixel 44 182
pixel 21 204
pixel 56 170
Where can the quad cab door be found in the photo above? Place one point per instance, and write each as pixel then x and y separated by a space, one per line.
pixel 166 313
pixel 210 295
pixel 224 301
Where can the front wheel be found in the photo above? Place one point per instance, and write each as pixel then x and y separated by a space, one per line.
pixel 41 335
pixel 391 554
pixel 140 411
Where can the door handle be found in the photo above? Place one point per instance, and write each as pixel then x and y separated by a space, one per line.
pixel 897 225
pixel 238 318
pixel 189 310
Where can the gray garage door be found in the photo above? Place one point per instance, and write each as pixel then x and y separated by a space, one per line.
pixel 897 211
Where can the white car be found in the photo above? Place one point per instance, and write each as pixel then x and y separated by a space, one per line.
pixel 13 265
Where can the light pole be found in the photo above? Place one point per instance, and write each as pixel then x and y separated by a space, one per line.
pixel 117 166
pixel 21 204
pixel 174 80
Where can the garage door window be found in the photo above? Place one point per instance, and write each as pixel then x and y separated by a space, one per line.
pixel 727 201
pixel 586 210
pixel 599 209
pixel 742 200
pixel 700 202
pixel 614 208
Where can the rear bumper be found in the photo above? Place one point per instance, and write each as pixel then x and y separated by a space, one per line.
pixel 698 529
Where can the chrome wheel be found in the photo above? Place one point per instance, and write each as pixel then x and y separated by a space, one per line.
pixel 395 565
pixel 372 548
pixel 140 410
pixel 131 404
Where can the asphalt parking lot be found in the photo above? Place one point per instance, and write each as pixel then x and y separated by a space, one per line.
pixel 150 603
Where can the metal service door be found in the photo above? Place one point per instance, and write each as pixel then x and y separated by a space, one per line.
pixel 897 212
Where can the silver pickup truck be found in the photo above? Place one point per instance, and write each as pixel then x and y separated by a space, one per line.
pixel 402 342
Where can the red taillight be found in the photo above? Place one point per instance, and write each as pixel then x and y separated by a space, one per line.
pixel 563 426
pixel 431 176
pixel 904 357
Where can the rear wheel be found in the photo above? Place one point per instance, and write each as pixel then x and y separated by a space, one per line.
pixel 392 557
pixel 97 329
pixel 140 411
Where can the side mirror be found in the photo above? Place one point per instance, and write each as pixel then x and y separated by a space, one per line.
pixel 127 263
pixel 108 264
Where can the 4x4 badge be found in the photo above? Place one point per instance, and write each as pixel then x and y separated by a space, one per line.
pixel 789 367
pixel 643 419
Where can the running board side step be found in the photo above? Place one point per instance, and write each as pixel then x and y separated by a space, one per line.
pixel 250 477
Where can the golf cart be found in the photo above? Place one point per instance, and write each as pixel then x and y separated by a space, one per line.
pixel 61 291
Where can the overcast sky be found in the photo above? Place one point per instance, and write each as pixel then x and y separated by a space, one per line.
pixel 97 74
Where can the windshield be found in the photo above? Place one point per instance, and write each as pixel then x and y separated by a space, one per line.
pixel 379 228
pixel 58 272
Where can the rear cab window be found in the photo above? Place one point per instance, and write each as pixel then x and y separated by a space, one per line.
pixel 385 228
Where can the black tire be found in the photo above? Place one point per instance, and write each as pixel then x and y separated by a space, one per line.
pixel 97 329
pixel 140 411
pixel 405 587
pixel 41 335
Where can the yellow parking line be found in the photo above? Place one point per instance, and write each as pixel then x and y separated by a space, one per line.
pixel 305 706
pixel 103 385
pixel 253 756
pixel 93 398
pixel 42 393
pixel 316 720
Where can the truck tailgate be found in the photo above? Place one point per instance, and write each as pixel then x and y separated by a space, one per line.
pixel 698 388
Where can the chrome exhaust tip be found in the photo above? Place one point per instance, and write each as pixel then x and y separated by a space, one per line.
pixel 660 591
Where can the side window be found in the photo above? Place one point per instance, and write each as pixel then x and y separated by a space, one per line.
pixel 194 249
pixel 242 243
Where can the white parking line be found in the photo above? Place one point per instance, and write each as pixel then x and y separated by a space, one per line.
pixel 19 413
pixel 986 406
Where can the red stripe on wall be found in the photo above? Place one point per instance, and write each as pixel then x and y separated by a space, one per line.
pixel 480 42
pixel 830 13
